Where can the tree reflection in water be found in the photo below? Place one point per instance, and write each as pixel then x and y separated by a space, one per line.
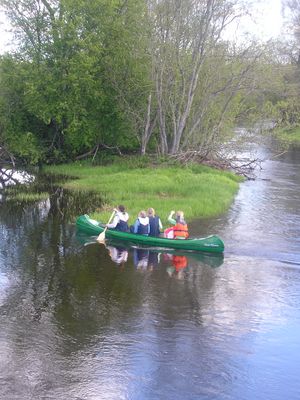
pixel 60 294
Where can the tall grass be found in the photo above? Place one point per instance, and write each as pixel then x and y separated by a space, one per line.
pixel 197 190
pixel 21 196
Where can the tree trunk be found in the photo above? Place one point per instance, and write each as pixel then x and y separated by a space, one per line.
pixel 147 131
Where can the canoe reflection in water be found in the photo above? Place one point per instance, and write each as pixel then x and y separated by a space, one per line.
pixel 178 267
pixel 146 259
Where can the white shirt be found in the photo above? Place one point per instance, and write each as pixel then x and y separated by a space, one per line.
pixel 117 218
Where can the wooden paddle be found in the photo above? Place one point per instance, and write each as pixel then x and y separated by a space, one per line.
pixel 101 237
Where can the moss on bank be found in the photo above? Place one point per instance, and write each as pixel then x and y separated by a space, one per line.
pixel 198 190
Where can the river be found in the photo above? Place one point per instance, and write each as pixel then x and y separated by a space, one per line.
pixel 83 321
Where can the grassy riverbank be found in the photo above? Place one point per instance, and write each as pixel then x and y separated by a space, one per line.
pixel 289 136
pixel 198 190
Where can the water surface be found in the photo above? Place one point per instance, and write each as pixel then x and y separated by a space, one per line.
pixel 83 321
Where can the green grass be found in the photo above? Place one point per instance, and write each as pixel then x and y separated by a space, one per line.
pixel 290 136
pixel 197 190
pixel 23 197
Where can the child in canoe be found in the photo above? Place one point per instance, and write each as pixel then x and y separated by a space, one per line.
pixel 154 222
pixel 180 228
pixel 141 225
pixel 120 220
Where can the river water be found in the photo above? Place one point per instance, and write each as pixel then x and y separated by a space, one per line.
pixel 83 321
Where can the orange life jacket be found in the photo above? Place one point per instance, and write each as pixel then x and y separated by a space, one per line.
pixel 181 231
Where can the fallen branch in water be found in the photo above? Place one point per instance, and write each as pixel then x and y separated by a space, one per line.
pixel 241 166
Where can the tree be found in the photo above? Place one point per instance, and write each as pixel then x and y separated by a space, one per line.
pixel 68 54
pixel 193 68
pixel 16 123
pixel 287 106
pixel 154 75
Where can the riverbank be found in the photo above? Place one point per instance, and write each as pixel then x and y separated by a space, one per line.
pixel 198 190
pixel 289 136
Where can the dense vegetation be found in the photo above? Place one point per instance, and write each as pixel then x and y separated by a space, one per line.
pixel 137 76
pixel 288 135
pixel 95 74
pixel 198 190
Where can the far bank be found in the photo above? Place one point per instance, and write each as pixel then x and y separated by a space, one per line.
pixel 289 136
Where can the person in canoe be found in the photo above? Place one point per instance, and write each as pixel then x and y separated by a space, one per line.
pixel 154 222
pixel 120 221
pixel 180 228
pixel 141 225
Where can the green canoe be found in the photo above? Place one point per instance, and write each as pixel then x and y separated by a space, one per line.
pixel 211 244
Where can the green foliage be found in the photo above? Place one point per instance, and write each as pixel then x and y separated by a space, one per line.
pixel 199 191
pixel 288 112
pixel 27 148
pixel 288 136
pixel 27 197
pixel 65 75
pixel 19 127
pixel 24 194
pixel 284 101
pixel 84 71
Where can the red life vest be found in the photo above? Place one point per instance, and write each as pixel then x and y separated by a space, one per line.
pixel 181 230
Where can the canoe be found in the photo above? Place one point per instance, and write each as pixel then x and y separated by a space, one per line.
pixel 210 244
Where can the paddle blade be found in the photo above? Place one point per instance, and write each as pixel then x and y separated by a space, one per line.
pixel 101 237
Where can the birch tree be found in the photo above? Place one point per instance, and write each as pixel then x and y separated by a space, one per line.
pixel 187 38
